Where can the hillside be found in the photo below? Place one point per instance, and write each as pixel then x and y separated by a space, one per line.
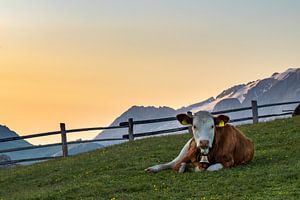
pixel 117 172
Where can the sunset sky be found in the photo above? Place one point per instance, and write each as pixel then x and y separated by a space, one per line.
pixel 86 62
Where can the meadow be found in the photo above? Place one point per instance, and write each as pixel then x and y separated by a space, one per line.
pixel 117 172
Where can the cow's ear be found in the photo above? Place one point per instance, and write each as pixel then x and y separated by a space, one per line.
pixel 221 120
pixel 184 119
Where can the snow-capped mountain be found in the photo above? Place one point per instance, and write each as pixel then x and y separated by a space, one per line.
pixel 277 88
pixel 280 87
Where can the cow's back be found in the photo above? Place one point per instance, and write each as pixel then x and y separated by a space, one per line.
pixel 244 148
pixel 231 143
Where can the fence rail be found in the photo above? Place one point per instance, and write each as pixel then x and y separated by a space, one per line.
pixel 157 132
pixel 150 121
pixel 58 144
pixel 130 126
pixel 58 133
pixel 10 162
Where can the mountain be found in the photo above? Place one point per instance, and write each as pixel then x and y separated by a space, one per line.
pixel 206 102
pixel 279 87
pixel 5 132
pixel 140 113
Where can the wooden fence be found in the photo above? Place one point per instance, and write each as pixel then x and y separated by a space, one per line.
pixel 131 135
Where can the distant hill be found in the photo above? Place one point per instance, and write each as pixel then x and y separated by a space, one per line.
pixel 139 113
pixel 279 87
pixel 74 149
pixel 5 132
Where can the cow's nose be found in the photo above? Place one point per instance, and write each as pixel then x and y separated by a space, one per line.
pixel 204 144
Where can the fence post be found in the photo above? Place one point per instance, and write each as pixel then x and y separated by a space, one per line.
pixel 64 140
pixel 254 111
pixel 190 114
pixel 130 129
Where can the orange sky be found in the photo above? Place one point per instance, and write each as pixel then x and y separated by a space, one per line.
pixel 86 63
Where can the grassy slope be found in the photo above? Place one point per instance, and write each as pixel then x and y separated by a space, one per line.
pixel 118 171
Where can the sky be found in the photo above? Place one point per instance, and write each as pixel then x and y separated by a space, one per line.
pixel 85 62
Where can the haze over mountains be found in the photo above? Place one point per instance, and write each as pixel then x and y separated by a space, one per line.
pixel 279 87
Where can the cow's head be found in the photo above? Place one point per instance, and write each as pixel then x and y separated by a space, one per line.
pixel 203 125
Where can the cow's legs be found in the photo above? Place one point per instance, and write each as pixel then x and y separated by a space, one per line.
pixel 182 168
pixel 215 167
pixel 158 168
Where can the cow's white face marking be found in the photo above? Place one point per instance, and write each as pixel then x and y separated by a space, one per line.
pixel 203 129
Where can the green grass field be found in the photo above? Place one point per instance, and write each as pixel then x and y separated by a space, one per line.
pixel 117 172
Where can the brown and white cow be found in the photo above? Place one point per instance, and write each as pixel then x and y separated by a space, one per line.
pixel 223 144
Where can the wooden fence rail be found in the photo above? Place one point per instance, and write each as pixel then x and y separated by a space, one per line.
pixel 130 126
pixel 58 132
pixel 156 132
pixel 58 144
pixel 10 162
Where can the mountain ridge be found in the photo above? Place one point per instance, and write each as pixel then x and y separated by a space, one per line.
pixel 279 87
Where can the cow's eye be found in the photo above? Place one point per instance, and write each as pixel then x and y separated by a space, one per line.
pixel 212 126
pixel 194 127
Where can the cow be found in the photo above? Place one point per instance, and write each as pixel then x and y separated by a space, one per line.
pixel 296 111
pixel 220 144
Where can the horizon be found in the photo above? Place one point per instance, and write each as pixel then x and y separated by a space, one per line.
pixel 84 64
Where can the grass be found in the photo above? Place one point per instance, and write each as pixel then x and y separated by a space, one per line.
pixel 117 172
